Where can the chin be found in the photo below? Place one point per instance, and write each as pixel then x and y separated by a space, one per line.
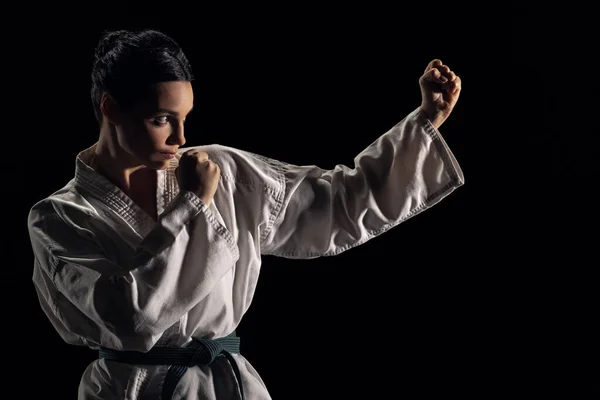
pixel 163 166
pixel 158 164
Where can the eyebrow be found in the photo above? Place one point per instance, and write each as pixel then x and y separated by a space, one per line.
pixel 175 113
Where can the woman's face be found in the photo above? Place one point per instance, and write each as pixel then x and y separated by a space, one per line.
pixel 155 126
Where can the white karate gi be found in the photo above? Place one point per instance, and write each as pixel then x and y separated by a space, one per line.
pixel 108 275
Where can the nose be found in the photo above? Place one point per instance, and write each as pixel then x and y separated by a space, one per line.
pixel 177 137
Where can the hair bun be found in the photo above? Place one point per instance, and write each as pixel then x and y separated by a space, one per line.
pixel 109 42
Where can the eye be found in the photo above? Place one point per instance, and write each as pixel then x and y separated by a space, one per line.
pixel 160 121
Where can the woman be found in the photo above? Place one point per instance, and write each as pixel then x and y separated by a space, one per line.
pixel 152 252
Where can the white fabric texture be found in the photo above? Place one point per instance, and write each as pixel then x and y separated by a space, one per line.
pixel 108 275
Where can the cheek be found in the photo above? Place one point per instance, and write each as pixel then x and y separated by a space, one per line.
pixel 137 135
pixel 133 129
pixel 158 135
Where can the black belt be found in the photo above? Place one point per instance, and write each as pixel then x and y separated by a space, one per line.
pixel 180 359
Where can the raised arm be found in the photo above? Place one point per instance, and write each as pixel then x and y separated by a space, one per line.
pixel 324 212
pixel 404 172
pixel 128 305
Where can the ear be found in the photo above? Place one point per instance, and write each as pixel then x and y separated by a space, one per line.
pixel 110 108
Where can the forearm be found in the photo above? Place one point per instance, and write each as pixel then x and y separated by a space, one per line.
pixel 404 172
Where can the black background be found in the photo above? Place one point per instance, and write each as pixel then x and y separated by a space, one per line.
pixel 455 301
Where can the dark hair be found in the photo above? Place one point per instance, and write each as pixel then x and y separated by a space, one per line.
pixel 127 63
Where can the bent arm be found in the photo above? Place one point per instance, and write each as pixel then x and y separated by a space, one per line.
pixel 128 306
pixel 324 212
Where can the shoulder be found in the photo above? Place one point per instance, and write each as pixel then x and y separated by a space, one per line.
pixel 65 207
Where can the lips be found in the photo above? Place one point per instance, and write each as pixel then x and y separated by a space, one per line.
pixel 168 156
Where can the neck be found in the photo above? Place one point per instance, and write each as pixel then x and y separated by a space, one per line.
pixel 118 166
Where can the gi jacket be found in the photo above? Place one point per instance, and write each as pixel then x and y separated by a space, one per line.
pixel 108 275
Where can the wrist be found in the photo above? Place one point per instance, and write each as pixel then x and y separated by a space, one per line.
pixel 435 117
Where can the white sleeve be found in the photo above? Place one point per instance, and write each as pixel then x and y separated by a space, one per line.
pixel 324 212
pixel 128 306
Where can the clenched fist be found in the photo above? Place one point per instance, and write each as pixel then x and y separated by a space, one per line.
pixel 440 89
pixel 198 174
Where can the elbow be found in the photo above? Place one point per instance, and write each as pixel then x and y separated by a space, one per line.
pixel 146 331
pixel 141 341
pixel 132 336
pixel 134 327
